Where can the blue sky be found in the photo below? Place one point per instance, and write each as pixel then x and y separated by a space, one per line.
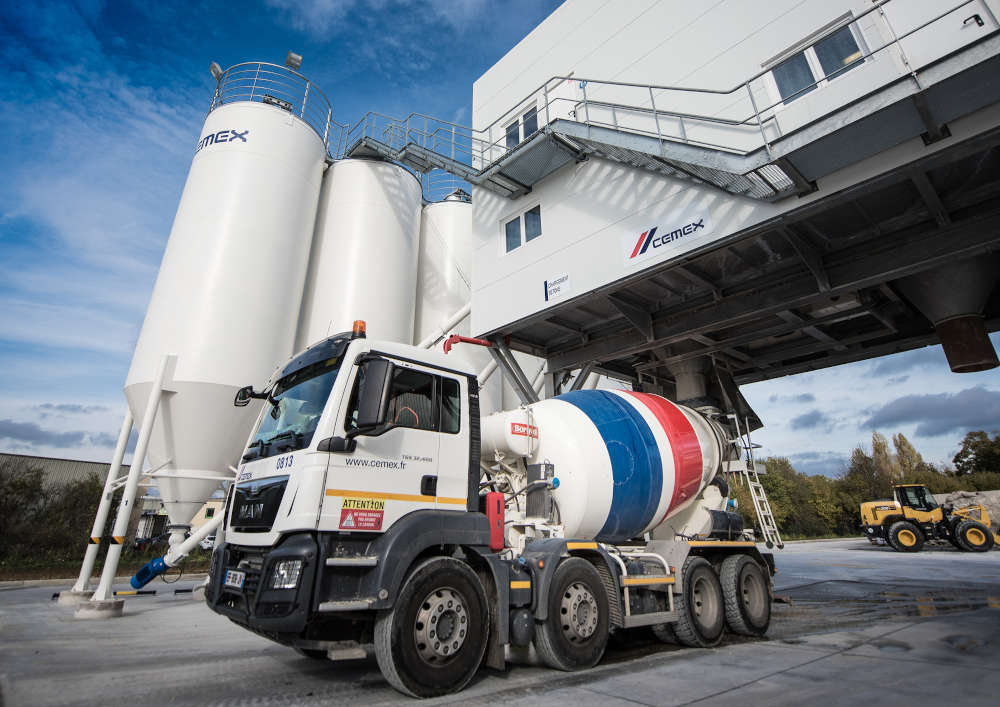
pixel 102 105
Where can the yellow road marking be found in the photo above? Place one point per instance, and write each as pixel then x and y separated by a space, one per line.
pixel 415 498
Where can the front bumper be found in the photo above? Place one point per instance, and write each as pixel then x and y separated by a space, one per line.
pixel 255 605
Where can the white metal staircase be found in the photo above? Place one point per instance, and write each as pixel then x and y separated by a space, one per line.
pixel 748 470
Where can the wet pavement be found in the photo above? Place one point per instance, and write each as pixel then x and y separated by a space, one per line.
pixel 857 622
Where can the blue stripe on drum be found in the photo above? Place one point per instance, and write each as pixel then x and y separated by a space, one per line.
pixel 635 462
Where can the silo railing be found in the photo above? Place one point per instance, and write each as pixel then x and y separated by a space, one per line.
pixel 277 86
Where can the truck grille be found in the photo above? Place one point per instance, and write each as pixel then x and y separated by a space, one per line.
pixel 255 504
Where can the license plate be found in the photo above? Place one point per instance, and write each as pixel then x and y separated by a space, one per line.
pixel 235 579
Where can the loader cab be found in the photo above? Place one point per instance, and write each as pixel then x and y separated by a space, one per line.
pixel 918 498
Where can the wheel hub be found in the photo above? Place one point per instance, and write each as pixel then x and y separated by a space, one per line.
pixel 579 613
pixel 440 627
pixel 975 536
pixel 906 537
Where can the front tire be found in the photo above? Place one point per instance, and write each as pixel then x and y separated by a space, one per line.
pixel 747 593
pixel 432 640
pixel 575 634
pixel 701 614
pixel 904 536
pixel 973 536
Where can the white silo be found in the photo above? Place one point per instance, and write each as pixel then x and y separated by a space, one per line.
pixel 364 253
pixel 444 287
pixel 225 303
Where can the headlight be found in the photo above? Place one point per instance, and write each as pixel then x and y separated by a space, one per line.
pixel 286 574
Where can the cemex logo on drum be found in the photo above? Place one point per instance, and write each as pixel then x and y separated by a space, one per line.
pixel 650 239
pixel 222 136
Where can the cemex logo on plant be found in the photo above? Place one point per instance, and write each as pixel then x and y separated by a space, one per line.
pixel 649 239
pixel 222 136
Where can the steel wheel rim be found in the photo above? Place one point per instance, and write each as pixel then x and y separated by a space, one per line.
pixel 704 600
pixel 578 613
pixel 975 536
pixel 441 626
pixel 907 537
pixel 753 594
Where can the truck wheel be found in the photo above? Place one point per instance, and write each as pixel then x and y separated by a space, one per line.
pixel 701 613
pixel 747 593
pixel 432 640
pixel 575 634
pixel 904 536
pixel 665 633
pixel 973 536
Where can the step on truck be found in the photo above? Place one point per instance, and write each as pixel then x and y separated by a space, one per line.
pixel 375 511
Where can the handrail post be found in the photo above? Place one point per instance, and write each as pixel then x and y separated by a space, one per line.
pixel 326 130
pixel 545 91
pixel 305 99
pixel 767 146
pixel 426 130
pixel 254 87
pixel 453 142
pixel 656 118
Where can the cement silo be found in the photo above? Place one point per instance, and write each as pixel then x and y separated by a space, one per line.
pixel 444 290
pixel 225 304
pixel 364 253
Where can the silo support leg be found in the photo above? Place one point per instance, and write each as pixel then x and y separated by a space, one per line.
pixel 103 604
pixel 80 591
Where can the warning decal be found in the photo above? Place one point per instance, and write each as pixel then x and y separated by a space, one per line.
pixel 362 514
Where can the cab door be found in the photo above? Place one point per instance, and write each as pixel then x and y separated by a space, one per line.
pixel 392 473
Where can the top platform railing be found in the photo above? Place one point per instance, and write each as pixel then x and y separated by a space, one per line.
pixel 278 86
pixel 732 120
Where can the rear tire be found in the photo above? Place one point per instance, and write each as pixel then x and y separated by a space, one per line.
pixel 575 634
pixel 700 606
pixel 432 640
pixel 973 536
pixel 665 633
pixel 747 593
pixel 904 536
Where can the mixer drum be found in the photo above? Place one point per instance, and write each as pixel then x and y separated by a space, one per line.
pixel 625 461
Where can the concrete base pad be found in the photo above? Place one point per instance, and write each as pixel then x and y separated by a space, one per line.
pixel 108 609
pixel 73 598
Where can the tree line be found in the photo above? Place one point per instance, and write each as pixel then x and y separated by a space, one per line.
pixel 810 506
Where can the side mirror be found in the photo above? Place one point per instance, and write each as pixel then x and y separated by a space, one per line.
pixel 245 394
pixel 373 397
pixel 337 444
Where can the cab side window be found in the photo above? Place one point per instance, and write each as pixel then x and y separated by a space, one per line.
pixel 411 400
pixel 417 400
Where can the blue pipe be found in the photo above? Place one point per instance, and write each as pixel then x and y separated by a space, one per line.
pixel 150 571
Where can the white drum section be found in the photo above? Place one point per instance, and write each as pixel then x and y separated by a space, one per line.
pixel 625 461
pixel 444 287
pixel 226 298
pixel 364 253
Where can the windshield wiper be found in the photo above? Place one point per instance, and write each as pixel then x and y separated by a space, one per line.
pixel 254 454
pixel 287 434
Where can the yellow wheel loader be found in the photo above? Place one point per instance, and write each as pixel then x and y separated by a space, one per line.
pixel 913 517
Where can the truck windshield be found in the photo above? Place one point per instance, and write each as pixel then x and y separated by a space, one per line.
pixel 293 409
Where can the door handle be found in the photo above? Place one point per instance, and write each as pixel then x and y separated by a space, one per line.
pixel 428 486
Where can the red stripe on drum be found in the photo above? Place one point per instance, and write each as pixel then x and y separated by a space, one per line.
pixel 683 445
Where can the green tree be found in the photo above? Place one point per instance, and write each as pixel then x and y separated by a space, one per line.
pixel 979 453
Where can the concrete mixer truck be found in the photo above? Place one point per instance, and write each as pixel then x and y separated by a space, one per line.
pixel 375 510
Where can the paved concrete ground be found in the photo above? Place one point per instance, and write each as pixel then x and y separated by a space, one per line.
pixel 865 623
